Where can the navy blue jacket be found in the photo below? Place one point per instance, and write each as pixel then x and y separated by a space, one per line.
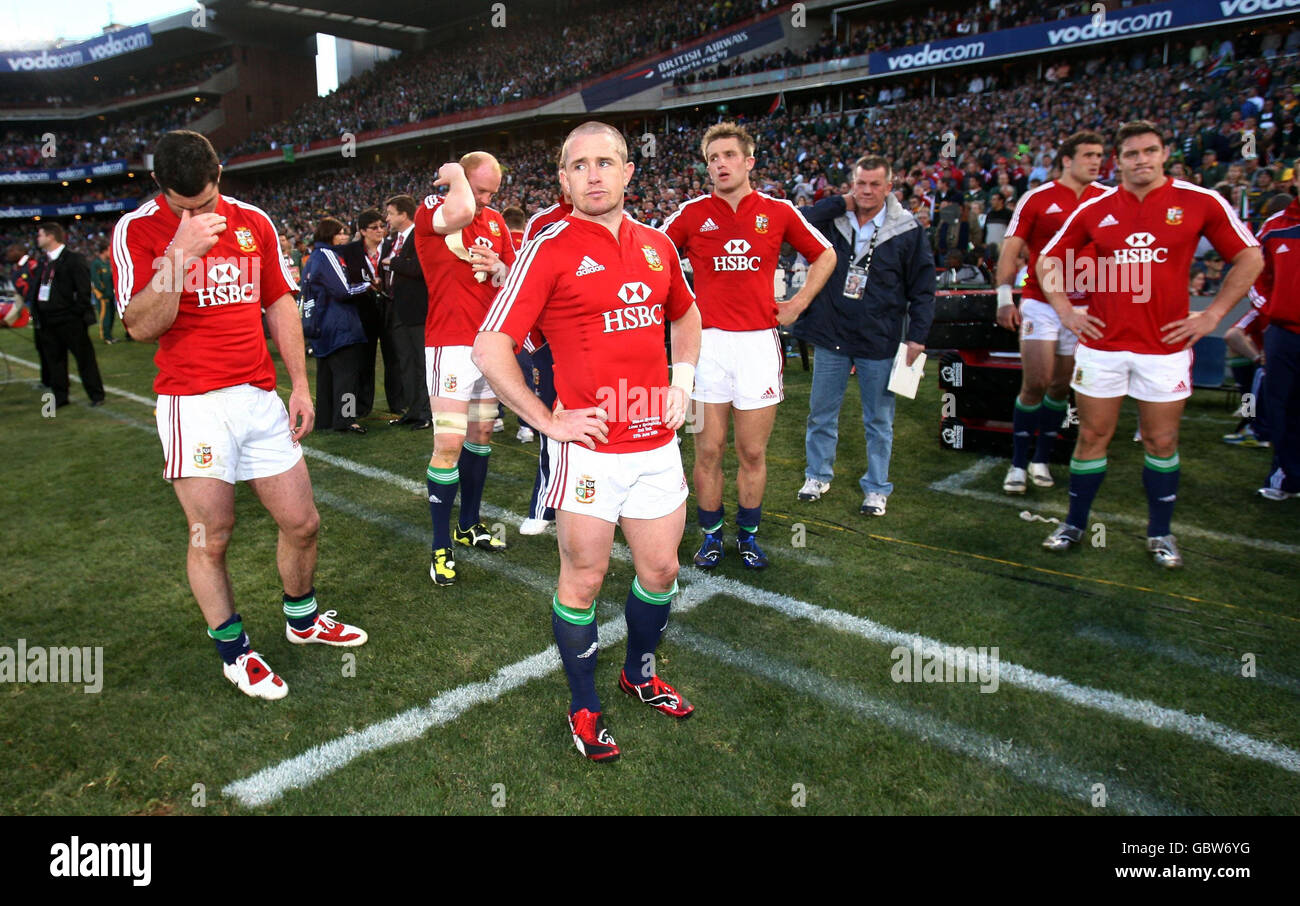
pixel 327 303
pixel 900 284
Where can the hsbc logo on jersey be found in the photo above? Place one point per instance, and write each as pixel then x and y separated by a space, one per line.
pixel 1139 250
pixel 737 257
pixel 636 311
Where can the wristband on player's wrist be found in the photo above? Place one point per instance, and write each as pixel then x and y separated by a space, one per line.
pixel 1004 297
pixel 684 377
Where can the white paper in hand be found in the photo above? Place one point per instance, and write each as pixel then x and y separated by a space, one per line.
pixel 905 379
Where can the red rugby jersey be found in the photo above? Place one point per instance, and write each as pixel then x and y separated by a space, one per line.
pixel 1143 252
pixel 602 304
pixel 545 217
pixel 1277 289
pixel 734 254
pixel 1038 217
pixel 457 302
pixel 216 340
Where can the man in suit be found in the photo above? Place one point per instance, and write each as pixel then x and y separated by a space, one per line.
pixel 61 304
pixel 405 286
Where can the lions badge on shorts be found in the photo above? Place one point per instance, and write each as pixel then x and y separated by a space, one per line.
pixel 760 223
pixel 1078 377
pixel 652 257
pixel 202 456
pixel 244 236
pixel 1027 328
pixel 585 490
pixel 1173 216
pixel 449 383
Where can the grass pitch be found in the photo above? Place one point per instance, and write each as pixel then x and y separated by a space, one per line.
pixel 790 669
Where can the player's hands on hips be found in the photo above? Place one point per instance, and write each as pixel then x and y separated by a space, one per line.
pixel 448 173
pixel 585 426
pixel 198 233
pixel 676 402
pixel 1189 330
pixel 789 311
pixel 302 414
pixel 1009 317
pixel 1082 324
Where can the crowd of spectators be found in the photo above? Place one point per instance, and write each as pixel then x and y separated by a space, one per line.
pixel 126 136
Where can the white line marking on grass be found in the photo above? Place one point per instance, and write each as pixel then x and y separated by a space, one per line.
pixel 1147 713
pixel 1021 762
pixel 955 484
pixel 1225 665
pixel 134 397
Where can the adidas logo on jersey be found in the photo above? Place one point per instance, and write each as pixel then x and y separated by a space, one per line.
pixel 1282 248
pixel 708 225
pixel 1182 385
pixel 1054 209
pixel 588 267
pixel 1108 220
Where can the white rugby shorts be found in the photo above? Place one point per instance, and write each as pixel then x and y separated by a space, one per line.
pixel 1151 378
pixel 449 372
pixel 1039 321
pixel 741 367
pixel 646 484
pixel 232 434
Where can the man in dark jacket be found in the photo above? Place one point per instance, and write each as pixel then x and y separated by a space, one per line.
pixel 404 283
pixel 62 308
pixel 885 272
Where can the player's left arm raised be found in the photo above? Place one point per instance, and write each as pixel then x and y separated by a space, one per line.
pixel 286 330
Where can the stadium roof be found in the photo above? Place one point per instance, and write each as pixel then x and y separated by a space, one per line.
pixel 404 24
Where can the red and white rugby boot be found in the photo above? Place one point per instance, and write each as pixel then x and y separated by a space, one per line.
pixel 327 631
pixel 254 677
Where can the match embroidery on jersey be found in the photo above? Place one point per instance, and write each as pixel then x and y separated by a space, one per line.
pixel 588 267
pixel 708 225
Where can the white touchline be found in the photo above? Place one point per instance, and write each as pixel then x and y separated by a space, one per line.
pixel 1144 712
pixel 956 484
pixel 1020 761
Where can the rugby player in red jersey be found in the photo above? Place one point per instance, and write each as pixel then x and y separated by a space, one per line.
pixel 601 287
pixel 1046 350
pixel 733 238
pixel 465 251
pixel 1136 332
pixel 194 270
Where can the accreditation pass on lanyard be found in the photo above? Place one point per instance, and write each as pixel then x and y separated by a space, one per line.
pixel 855 284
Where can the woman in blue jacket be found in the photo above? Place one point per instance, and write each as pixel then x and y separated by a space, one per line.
pixel 332 328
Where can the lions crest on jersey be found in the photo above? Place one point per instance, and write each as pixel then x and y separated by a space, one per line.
pixel 244 236
pixel 760 223
pixel 652 257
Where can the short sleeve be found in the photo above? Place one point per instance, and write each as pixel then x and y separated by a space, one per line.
pixel 806 239
pixel 133 261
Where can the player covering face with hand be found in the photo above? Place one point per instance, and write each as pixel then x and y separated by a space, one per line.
pixel 600 287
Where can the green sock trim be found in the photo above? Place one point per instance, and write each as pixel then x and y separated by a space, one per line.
pixel 749 528
pixel 710 531
pixel 480 449
pixel 1023 408
pixel 653 597
pixel 443 476
pixel 1161 465
pixel 229 634
pixel 301 608
pixel 1058 405
pixel 569 615
pixel 1087 466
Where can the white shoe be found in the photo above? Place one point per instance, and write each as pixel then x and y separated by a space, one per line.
pixel 533 527
pixel 327 631
pixel 1014 483
pixel 253 677
pixel 1040 475
pixel 813 489
pixel 524 435
pixel 873 505
pixel 498 426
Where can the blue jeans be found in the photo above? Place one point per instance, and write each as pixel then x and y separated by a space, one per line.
pixel 830 377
